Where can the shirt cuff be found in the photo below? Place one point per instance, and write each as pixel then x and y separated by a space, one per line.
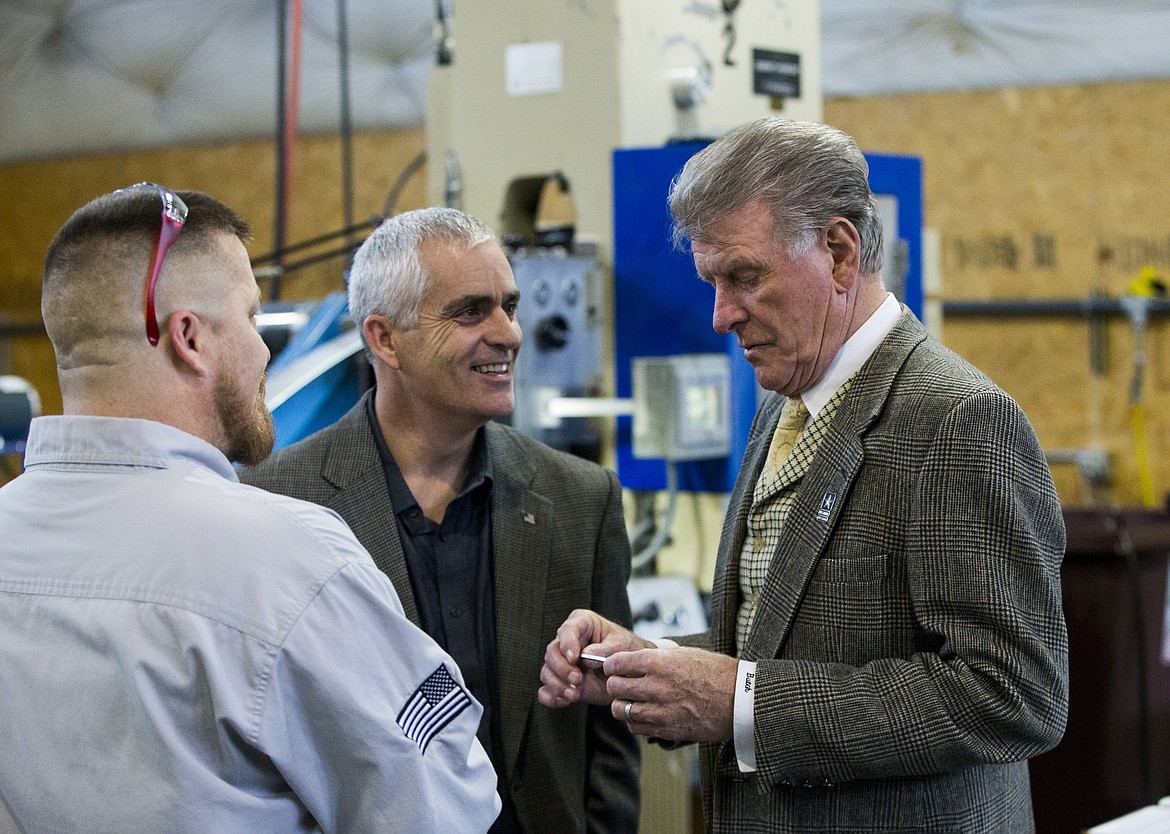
pixel 744 717
pixel 664 643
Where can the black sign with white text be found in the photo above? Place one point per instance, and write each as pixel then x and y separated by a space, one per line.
pixel 775 74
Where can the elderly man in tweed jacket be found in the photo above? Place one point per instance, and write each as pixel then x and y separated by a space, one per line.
pixel 887 646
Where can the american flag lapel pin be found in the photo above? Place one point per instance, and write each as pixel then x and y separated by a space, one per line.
pixel 528 517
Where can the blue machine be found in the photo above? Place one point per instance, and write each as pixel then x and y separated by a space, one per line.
pixel 317 376
pixel 662 309
pixel 19 404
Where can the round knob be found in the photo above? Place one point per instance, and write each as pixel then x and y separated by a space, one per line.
pixel 552 333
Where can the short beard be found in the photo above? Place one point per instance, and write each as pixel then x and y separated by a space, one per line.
pixel 249 433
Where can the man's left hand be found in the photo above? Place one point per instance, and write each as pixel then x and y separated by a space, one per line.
pixel 680 694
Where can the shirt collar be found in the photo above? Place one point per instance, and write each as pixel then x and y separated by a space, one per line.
pixel 401 497
pixel 87 441
pixel 853 354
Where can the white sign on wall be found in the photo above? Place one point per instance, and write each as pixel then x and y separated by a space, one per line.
pixel 533 68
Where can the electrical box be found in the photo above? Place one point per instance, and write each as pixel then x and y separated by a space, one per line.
pixel 682 407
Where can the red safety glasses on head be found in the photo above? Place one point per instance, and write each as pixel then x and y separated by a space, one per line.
pixel 174 214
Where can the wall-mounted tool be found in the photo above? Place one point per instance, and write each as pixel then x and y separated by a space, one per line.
pixel 1146 287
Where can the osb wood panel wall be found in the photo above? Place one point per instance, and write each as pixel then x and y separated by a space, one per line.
pixel 37 197
pixel 1048 193
pixel 1038 193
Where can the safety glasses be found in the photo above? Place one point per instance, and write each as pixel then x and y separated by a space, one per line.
pixel 174 214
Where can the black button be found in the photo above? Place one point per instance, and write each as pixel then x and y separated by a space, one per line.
pixel 456 611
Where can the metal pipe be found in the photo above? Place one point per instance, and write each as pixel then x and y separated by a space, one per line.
pixel 1092 305
pixel 309 243
pixel 346 119
pixel 14 329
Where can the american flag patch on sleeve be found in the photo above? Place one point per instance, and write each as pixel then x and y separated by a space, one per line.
pixel 432 707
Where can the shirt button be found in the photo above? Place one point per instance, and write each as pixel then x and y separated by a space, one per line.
pixel 456 611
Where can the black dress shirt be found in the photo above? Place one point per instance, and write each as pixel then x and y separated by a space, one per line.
pixel 450 565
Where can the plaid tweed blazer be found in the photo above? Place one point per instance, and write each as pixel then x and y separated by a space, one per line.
pixel 910 641
pixel 570 770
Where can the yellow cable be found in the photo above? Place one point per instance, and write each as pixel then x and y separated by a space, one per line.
pixel 1142 454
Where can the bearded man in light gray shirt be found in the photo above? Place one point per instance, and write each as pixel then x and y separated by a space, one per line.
pixel 180 652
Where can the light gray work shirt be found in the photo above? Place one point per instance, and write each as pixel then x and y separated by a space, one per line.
pixel 183 653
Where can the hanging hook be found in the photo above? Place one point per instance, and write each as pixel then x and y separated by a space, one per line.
pixel 729 7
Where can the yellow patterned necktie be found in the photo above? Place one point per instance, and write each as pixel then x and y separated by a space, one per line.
pixel 792 419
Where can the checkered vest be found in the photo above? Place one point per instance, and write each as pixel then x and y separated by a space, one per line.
pixel 775 491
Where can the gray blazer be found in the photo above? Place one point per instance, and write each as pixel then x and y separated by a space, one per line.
pixel 573 769
pixel 910 639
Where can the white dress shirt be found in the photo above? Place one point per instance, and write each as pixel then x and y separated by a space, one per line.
pixel 849 359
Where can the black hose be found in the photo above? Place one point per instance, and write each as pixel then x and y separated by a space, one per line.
pixel 346 120
pixel 278 220
pixel 388 209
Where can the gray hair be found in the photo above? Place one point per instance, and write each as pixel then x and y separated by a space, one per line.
pixel 807 172
pixel 387 277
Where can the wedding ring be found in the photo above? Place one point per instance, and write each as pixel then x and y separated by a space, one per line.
pixel 629 706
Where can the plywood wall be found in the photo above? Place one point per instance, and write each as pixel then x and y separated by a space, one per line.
pixel 1048 193
pixel 37 197
pixel 1038 193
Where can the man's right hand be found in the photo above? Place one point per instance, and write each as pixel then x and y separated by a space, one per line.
pixel 566 678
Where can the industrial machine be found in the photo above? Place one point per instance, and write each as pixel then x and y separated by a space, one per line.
pixel 559 314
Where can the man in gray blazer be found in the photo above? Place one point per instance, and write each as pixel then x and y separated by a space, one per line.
pixel 490 538
pixel 887 646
